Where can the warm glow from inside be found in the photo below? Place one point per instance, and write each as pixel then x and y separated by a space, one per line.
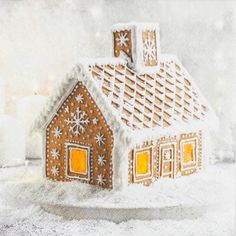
pixel 142 163
pixel 188 153
pixel 78 162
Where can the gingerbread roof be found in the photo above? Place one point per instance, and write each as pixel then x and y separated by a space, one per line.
pixel 132 102
pixel 150 100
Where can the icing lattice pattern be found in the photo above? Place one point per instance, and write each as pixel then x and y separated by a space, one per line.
pixel 145 101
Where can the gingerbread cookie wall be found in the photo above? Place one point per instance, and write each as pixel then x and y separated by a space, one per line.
pixel 123 43
pixel 167 157
pixel 79 142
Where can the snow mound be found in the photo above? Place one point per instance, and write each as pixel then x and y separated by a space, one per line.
pixel 185 191
pixel 22 190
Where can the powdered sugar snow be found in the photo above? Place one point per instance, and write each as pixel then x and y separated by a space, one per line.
pixel 23 188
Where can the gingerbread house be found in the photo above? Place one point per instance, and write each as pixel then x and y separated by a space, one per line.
pixel 133 118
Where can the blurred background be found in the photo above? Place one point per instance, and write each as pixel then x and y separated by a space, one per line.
pixel 40 41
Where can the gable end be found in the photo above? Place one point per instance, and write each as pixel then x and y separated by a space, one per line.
pixel 79 125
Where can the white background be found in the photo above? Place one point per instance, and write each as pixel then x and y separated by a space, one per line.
pixel 41 40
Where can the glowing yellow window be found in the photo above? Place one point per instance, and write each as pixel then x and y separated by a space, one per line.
pixel 78 162
pixel 142 163
pixel 188 153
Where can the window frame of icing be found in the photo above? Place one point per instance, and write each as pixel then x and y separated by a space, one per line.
pixel 170 143
pixel 171 147
pixel 69 146
pixel 149 175
pixel 191 164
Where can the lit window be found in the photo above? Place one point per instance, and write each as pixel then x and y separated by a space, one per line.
pixel 142 163
pixel 78 161
pixel 188 153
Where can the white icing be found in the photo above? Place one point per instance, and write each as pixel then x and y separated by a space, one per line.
pixel 101 61
pixel 78 122
pixel 95 121
pixel 122 39
pixel 130 25
pixel 101 160
pixel 100 139
pixel 79 98
pixel 57 132
pixel 67 110
pixel 101 179
pixel 55 171
pixel 149 49
pixel 55 153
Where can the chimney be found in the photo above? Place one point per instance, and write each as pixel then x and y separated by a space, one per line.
pixel 139 43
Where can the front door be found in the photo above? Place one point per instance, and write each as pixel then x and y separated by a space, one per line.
pixel 167 161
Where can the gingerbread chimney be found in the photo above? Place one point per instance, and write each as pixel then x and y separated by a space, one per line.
pixel 139 43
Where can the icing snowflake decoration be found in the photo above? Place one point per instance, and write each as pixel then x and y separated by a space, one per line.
pixel 149 49
pixel 95 121
pixel 122 39
pixel 66 109
pixel 78 122
pixel 57 132
pixel 55 153
pixel 55 171
pixel 100 139
pixel 79 98
pixel 101 180
pixel 101 160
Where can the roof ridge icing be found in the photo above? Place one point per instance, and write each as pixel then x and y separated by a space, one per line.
pixel 102 61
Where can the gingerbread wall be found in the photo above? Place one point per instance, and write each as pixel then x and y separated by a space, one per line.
pixel 79 121
pixel 122 43
pixel 167 157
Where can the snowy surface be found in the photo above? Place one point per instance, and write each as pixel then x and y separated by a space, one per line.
pixel 22 187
